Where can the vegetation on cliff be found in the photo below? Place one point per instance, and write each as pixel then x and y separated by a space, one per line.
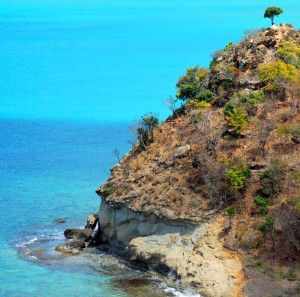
pixel 232 148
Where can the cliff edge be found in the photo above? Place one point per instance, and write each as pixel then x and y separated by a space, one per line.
pixel 211 202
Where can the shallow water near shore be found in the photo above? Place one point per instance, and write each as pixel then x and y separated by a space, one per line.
pixel 50 171
pixel 74 75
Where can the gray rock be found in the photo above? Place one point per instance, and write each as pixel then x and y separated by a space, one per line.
pixel 182 151
pixel 71 247
pixel 78 234
pixel 91 221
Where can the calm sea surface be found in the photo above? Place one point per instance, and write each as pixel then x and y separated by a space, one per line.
pixel 74 75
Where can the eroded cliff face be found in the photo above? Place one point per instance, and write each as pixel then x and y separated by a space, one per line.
pixel 120 225
pixel 186 254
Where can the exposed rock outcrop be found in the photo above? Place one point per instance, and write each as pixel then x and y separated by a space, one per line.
pixel 197 259
pixel 78 234
pixel 182 151
pixel 81 238
pixel 71 247
pixel 119 225
pixel 92 221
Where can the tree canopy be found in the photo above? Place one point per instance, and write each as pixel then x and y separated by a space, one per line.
pixel 271 12
pixel 145 128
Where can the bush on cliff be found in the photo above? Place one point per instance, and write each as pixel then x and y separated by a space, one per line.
pixel 277 76
pixel 236 177
pixel 190 84
pixel 145 129
pixel 289 52
pixel 271 180
pixel 237 120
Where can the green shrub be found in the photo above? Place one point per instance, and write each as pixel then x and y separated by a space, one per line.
pixel 191 83
pixel 229 46
pixel 205 95
pixel 236 177
pixel 238 120
pixel 289 52
pixel 198 104
pixel 271 180
pixel 246 100
pixel 187 92
pixel 230 211
pixel 251 99
pixel 194 75
pixel 267 226
pixel 276 74
pixel 262 204
pixel 229 108
pixel 203 105
pixel 145 128
pixel 109 191
pixel 269 184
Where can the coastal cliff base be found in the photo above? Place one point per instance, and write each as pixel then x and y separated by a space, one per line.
pixel 199 262
pixel 186 255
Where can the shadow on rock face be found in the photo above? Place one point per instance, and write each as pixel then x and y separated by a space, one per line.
pixel 140 287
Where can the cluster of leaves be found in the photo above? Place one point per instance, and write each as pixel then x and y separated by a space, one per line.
pixel 271 12
pixel 229 46
pixel 145 129
pixel 245 100
pixel 262 203
pixel 238 120
pixel 200 105
pixel 240 105
pixel 268 224
pixel 271 180
pixel 236 177
pixel 289 52
pixel 230 211
pixel 191 84
pixel 205 95
pixel 277 75
pixel 109 190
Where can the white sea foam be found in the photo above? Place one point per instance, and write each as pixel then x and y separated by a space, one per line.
pixel 185 293
pixel 47 234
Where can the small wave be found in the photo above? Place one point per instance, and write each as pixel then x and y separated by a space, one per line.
pixel 185 293
pixel 25 241
pixel 47 235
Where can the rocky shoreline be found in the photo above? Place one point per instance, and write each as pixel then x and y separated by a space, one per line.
pixel 183 253
pixel 81 238
pixel 229 154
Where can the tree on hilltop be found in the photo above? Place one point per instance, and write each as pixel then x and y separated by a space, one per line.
pixel 271 12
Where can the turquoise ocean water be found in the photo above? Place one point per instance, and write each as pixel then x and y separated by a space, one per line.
pixel 74 74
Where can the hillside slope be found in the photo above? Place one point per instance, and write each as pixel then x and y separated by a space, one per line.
pixel 214 198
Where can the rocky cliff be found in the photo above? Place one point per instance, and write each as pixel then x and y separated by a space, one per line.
pixel 164 206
